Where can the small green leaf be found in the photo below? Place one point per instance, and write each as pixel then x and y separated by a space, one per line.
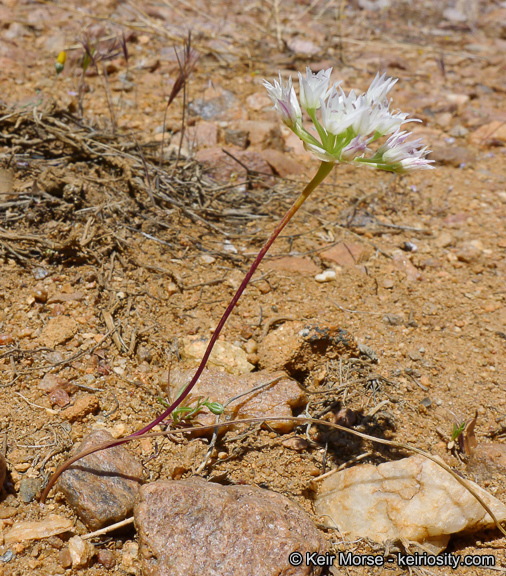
pixel 215 407
pixel 457 430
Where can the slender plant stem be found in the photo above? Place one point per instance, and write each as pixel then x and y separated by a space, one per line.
pixel 323 172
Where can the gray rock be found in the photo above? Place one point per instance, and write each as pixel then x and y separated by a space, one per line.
pixel 102 487
pixel 28 489
pixel 192 528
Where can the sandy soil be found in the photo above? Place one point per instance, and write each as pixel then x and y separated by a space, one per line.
pixel 80 236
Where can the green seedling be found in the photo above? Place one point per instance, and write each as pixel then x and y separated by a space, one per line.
pixel 185 413
pixel 457 430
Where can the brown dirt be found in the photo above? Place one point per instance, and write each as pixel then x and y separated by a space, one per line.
pixel 79 237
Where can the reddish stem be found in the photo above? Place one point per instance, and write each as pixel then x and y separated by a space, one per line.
pixel 322 173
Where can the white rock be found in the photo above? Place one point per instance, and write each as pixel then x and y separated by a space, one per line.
pixel 225 356
pixel 81 552
pixel 326 276
pixel 22 531
pixel 412 498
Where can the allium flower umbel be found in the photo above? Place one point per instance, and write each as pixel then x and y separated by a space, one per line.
pixel 346 124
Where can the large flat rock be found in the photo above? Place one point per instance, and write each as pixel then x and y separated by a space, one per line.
pixel 195 528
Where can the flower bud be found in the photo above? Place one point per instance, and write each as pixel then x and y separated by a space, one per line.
pixel 60 62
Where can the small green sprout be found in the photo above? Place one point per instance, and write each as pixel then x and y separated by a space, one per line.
pixel 457 430
pixel 186 413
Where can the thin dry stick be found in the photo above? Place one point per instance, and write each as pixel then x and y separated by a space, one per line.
pixel 299 420
pixel 108 529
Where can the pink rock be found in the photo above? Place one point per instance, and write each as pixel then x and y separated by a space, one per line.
pixel 403 263
pixel 346 254
pixel 263 134
pixel 71 297
pixel 293 264
pixel 203 134
pixel 455 220
pixel 221 167
pixel 282 163
pixel 258 101
pixel 276 399
pixel 59 397
pixel 453 156
pixel 491 134
pixel 305 47
pixel 195 528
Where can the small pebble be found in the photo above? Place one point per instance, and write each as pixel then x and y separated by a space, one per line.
pixel 40 273
pixel 81 552
pixel 409 247
pixel 7 557
pixel 65 558
pixel 326 276
pixel 129 559
pixel 107 558
pixel 59 397
pixel 6 339
pixel 40 295
pixel 28 489
pixel 345 417
pixel 7 512
pixel 295 443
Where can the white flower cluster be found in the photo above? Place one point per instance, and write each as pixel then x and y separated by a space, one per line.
pixel 348 124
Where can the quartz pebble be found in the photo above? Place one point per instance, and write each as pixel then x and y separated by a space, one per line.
pixel 326 276
pixel 412 498
pixel 129 557
pixel 194 528
pixel 52 525
pixel 81 552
